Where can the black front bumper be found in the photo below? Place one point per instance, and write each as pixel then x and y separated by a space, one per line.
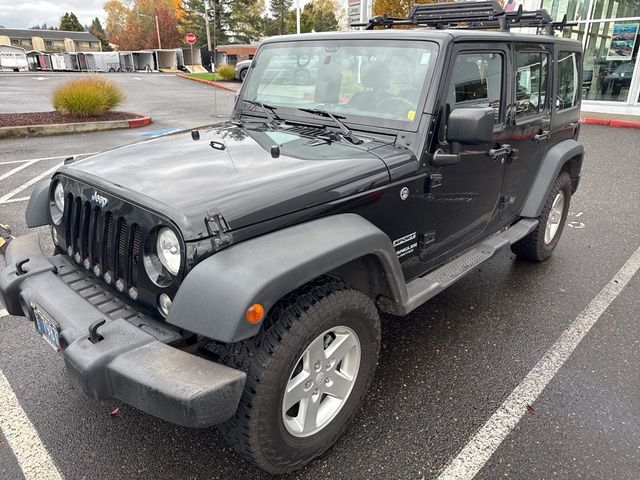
pixel 129 359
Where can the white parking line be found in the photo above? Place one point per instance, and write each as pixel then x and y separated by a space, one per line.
pixel 17 169
pixel 15 200
pixel 3 313
pixel 22 437
pixel 34 180
pixel 487 440
pixel 45 158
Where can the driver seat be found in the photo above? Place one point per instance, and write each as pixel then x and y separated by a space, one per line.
pixel 375 80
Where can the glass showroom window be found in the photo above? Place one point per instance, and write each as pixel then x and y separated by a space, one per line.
pixel 609 60
pixel 615 9
pixel 575 9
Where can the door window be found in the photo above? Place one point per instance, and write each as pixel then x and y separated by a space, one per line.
pixel 477 82
pixel 531 83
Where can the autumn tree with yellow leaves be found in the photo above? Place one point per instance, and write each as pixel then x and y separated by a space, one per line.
pixel 396 8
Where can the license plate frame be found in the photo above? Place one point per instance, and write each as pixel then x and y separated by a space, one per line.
pixel 47 327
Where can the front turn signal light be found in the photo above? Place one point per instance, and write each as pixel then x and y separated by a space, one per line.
pixel 255 313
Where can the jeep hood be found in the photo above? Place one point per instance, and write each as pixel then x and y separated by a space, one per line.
pixel 231 170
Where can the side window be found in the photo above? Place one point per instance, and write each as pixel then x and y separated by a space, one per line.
pixel 531 83
pixel 567 94
pixel 477 82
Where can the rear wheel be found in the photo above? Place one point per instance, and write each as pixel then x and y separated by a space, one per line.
pixel 307 370
pixel 539 244
pixel 243 74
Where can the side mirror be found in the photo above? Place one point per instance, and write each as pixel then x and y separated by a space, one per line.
pixel 470 126
pixel 465 126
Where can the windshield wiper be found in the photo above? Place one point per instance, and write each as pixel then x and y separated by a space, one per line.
pixel 344 130
pixel 268 110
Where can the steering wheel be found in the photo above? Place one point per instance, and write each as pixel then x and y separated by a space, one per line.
pixel 396 101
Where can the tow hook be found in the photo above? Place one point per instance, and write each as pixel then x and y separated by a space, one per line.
pixel 94 336
pixel 19 269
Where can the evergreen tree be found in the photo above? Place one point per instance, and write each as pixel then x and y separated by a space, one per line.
pixel 280 11
pixel 97 31
pixel 69 22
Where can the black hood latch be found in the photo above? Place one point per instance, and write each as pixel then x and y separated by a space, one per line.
pixel 218 228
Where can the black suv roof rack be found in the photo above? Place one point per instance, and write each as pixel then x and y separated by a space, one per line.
pixel 469 15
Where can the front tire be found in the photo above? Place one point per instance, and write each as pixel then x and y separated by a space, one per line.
pixel 539 244
pixel 307 371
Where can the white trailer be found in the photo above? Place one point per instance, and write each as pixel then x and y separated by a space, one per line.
pixel 70 62
pixel 13 59
pixel 144 60
pixel 168 59
pixel 126 62
pixel 57 62
pixel 104 61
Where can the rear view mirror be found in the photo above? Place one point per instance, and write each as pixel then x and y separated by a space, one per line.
pixel 465 126
pixel 470 126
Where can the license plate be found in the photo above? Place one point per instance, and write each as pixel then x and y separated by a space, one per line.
pixel 47 328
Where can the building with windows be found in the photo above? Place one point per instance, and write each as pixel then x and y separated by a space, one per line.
pixel 50 41
pixel 610 36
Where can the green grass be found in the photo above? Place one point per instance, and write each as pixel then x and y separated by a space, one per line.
pixel 204 76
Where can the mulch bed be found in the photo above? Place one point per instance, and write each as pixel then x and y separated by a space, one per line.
pixel 46 118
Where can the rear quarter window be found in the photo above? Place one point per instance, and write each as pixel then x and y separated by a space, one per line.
pixel 568 90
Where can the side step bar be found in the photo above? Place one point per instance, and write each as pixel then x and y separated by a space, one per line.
pixel 424 288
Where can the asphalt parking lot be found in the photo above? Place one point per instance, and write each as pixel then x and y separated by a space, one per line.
pixel 444 372
pixel 171 101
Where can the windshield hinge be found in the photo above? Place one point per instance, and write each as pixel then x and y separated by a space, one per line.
pixel 218 229
pixel 433 181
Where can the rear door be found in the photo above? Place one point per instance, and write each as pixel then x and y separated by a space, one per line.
pixel 530 121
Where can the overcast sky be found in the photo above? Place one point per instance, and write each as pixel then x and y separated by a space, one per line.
pixel 27 13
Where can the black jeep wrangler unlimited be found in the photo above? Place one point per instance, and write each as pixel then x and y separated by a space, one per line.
pixel 235 275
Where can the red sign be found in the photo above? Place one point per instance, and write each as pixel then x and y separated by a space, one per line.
pixel 190 38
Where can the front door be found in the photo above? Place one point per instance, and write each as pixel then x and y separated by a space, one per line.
pixel 462 199
pixel 530 120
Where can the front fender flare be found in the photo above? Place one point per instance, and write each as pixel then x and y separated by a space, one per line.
pixel 215 295
pixel 37 212
pixel 549 170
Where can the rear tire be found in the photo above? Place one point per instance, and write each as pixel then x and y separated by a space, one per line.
pixel 243 74
pixel 261 429
pixel 539 244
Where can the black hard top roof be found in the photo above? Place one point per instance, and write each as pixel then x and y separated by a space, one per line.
pixel 439 36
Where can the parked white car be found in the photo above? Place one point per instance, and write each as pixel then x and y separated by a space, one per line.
pixel 241 69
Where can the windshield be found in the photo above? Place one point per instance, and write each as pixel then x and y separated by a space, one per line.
pixel 366 81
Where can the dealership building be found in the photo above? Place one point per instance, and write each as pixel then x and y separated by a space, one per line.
pixel 610 36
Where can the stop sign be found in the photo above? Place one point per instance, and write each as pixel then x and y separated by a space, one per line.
pixel 190 38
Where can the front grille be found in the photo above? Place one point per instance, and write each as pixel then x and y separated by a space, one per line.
pixel 107 235
pixel 103 242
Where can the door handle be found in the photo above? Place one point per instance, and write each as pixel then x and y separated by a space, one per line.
pixel 539 137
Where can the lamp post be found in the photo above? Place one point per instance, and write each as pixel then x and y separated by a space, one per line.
pixel 298 17
pixel 157 28
pixel 206 21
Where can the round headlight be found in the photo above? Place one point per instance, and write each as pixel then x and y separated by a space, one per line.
pixel 168 250
pixel 57 204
